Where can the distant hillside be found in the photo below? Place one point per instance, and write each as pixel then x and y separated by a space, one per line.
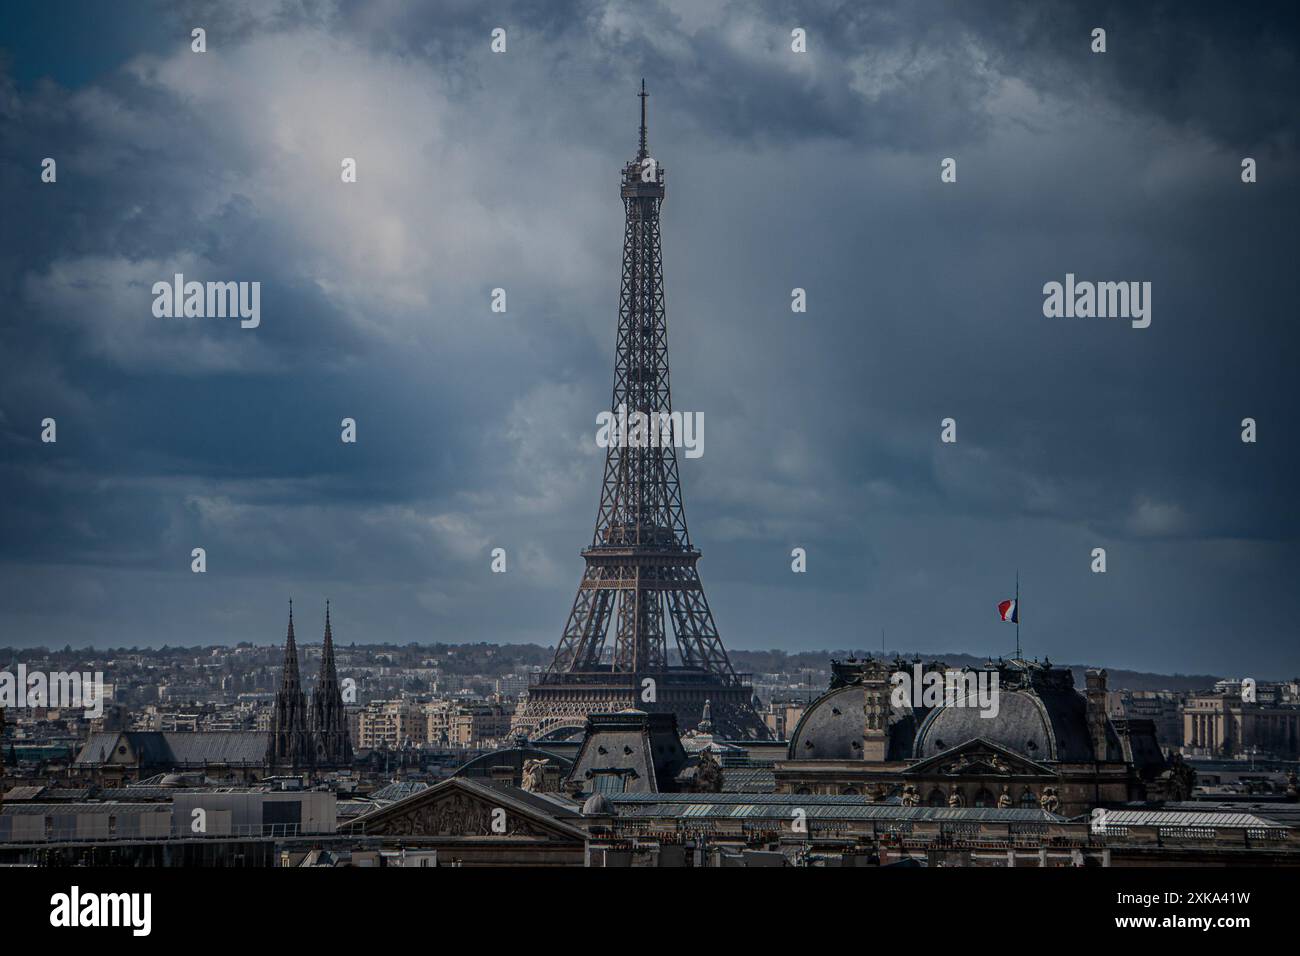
pixel 482 658
pixel 775 661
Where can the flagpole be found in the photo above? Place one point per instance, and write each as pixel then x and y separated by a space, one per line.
pixel 1018 656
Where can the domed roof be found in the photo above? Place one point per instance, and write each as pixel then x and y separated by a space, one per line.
pixel 1039 715
pixel 1021 724
pixel 597 806
pixel 831 728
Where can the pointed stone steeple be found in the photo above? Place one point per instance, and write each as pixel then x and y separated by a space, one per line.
pixel 289 745
pixel 291 679
pixel 327 669
pixel 329 721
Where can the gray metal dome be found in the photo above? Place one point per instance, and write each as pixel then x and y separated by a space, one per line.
pixel 831 728
pixel 1022 724
pixel 1040 716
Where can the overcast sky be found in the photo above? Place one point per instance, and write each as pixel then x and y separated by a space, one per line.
pixel 476 429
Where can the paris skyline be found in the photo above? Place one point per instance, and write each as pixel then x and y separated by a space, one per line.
pixel 478 171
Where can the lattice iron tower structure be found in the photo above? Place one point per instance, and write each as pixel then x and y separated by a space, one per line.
pixel 641 566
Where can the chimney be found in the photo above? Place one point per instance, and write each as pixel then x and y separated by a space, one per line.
pixel 1096 694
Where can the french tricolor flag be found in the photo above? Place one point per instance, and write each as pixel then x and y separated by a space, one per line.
pixel 1009 611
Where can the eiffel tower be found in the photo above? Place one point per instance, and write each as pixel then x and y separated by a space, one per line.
pixel 641 561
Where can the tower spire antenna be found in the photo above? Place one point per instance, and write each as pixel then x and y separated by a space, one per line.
pixel 644 151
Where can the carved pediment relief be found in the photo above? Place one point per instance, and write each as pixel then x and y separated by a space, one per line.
pixel 972 765
pixel 979 758
pixel 458 808
pixel 457 815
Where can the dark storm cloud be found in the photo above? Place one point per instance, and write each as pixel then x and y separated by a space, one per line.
pixel 901 73
pixel 821 171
